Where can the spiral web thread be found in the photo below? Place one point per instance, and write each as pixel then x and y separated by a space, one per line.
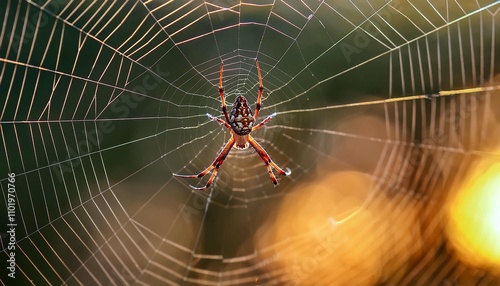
pixel 104 100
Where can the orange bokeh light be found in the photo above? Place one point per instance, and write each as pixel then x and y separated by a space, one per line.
pixel 474 212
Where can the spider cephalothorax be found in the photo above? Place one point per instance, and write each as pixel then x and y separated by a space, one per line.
pixel 241 122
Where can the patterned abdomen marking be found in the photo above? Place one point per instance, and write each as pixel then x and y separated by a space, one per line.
pixel 241 117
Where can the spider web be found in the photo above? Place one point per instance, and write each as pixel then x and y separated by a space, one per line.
pixel 382 108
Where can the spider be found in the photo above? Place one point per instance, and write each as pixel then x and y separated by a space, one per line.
pixel 240 122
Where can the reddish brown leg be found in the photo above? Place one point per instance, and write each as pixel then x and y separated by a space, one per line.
pixel 215 165
pixel 264 122
pixel 221 93
pixel 220 121
pixel 268 161
pixel 261 90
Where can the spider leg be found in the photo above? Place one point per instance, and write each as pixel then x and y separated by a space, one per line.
pixel 261 90
pixel 221 93
pixel 220 121
pixel 264 122
pixel 268 161
pixel 210 180
pixel 215 165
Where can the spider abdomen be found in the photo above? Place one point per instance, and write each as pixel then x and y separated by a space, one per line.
pixel 241 117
